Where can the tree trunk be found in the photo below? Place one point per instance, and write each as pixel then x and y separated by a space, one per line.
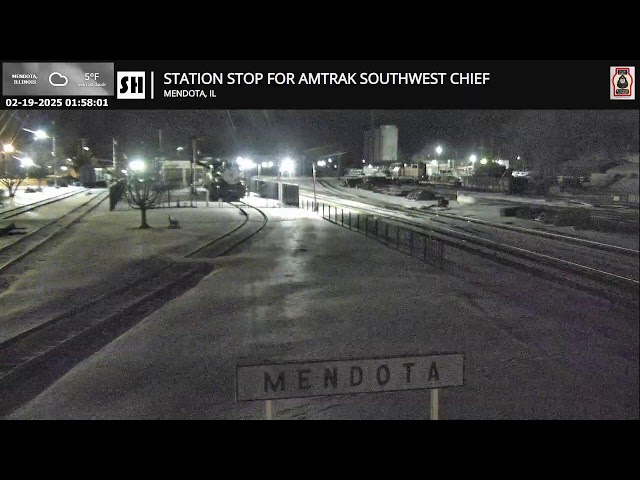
pixel 144 224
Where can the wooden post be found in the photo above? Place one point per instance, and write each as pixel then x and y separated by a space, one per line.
pixel 268 410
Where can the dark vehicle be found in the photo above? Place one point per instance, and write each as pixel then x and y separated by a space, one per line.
pixel 421 194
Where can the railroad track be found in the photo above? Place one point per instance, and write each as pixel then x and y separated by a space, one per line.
pixel 28 243
pixel 35 358
pixel 542 233
pixel 542 260
pixel 12 212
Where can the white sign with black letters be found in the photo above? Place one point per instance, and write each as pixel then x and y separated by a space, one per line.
pixel 344 377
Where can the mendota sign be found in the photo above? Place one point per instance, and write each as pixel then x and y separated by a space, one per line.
pixel 344 377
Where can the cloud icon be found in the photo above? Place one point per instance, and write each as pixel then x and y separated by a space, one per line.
pixel 58 80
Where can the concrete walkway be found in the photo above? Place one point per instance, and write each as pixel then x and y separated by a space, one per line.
pixel 305 289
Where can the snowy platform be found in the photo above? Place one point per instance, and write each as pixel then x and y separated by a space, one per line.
pixel 305 289
pixel 102 252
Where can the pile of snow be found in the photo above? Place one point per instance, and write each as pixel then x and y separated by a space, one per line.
pixel 629 185
pixel 465 199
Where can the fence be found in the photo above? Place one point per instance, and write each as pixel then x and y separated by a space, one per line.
pixel 416 244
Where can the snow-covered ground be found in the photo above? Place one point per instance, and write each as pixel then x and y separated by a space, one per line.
pixel 102 252
pixel 483 208
pixel 305 289
pixel 23 198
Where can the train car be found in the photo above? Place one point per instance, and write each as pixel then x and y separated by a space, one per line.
pixel 496 184
pixel 227 185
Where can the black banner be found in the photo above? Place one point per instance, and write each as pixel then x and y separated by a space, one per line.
pixel 322 84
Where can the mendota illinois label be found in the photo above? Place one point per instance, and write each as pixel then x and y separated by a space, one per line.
pixel 622 83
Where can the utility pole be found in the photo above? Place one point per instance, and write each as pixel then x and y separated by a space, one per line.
pixel 194 154
pixel 315 200
pixel 160 159
pixel 55 160
pixel 116 171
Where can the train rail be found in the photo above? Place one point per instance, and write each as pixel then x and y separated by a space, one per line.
pixel 24 245
pixel 537 232
pixel 608 279
pixel 35 358
pixel 13 212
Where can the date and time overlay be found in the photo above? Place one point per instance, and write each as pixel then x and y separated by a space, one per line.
pixel 67 85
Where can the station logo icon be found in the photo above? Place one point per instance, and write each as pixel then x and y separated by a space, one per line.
pixel 622 83
pixel 131 86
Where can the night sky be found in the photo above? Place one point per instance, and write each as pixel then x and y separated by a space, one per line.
pixel 548 136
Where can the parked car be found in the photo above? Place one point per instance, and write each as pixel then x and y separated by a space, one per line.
pixel 421 194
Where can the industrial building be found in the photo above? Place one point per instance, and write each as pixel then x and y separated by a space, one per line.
pixel 381 145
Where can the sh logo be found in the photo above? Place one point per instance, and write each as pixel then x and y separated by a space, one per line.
pixel 131 85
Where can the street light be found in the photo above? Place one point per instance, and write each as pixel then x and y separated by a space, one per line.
pixel 484 161
pixel 26 162
pixel 42 135
pixel 473 159
pixel 8 148
pixel 438 150
pixel 137 165
pixel 287 166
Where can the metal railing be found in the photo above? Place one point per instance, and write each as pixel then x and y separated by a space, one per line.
pixel 416 244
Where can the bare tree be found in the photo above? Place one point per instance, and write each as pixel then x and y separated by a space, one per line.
pixel 11 173
pixel 142 194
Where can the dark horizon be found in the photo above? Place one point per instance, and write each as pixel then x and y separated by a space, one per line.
pixel 545 136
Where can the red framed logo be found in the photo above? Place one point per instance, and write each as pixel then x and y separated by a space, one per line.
pixel 622 83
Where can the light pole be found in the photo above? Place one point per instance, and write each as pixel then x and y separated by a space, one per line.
pixel 7 149
pixel 41 135
pixel 315 200
pixel 473 160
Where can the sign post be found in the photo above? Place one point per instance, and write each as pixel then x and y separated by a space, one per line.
pixel 434 404
pixel 268 410
pixel 269 382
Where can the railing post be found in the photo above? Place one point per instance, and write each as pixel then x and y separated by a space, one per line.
pixel 358 222
pixel 397 238
pixel 342 216
pixel 349 220
pixel 323 210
